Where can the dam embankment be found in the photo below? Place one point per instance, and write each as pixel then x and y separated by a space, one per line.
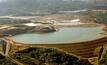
pixel 83 49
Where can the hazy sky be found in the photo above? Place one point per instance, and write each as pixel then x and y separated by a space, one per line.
pixel 65 0
pixel 2 0
pixel 72 0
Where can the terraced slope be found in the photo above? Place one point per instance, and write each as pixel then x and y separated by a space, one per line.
pixel 83 49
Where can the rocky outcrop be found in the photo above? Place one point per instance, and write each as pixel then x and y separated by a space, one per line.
pixel 102 59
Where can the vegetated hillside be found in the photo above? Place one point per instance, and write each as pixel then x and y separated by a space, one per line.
pixel 42 56
pixel 99 16
pixel 47 56
pixel 6 61
pixel 37 7
pixel 13 21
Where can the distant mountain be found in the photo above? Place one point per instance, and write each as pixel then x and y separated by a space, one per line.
pixel 37 7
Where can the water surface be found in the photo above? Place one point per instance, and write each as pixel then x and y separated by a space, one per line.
pixel 64 35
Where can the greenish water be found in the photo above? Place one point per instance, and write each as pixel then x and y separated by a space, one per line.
pixel 64 35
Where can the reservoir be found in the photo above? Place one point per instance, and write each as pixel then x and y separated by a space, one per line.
pixel 64 35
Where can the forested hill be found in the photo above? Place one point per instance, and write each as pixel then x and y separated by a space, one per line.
pixel 29 7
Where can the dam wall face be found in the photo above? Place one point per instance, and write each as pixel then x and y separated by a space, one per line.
pixel 83 49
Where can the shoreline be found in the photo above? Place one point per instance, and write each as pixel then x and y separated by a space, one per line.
pixel 17 30
pixel 83 49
